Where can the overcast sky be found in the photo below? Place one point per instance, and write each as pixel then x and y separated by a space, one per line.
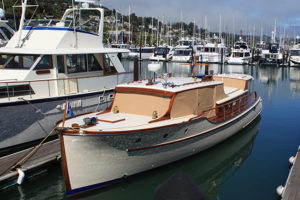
pixel 241 13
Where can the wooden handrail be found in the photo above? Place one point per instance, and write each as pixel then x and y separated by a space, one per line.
pixel 233 111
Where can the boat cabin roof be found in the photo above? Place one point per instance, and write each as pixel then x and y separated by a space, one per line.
pixel 178 84
pixel 60 51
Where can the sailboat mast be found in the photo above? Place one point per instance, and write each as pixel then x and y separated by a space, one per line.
pixel 152 32
pixel 116 27
pixel 220 26
pixel 181 19
pixel 129 28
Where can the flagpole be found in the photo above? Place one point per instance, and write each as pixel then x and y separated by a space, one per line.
pixel 65 112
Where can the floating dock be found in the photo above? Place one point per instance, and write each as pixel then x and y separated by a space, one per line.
pixel 47 153
pixel 291 190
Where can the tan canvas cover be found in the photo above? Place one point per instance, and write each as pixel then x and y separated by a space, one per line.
pixel 232 82
pixel 141 104
pixel 185 103
pixel 220 94
pixel 206 99
pixel 193 102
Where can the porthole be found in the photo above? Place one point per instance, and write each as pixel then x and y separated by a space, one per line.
pixel 186 131
pixel 165 135
pixel 101 99
pixel 138 140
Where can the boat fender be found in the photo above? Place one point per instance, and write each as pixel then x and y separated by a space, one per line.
pixel 280 190
pixel 21 176
pixel 292 160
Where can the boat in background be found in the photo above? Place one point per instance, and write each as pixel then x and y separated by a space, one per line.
pixel 182 55
pixel 121 46
pixel 294 56
pixel 162 53
pixel 271 55
pixel 214 51
pixel 240 54
pixel 45 65
pixel 144 52
pixel 151 123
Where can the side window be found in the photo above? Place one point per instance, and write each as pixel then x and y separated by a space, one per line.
pixel 109 67
pixel 45 63
pixel 61 64
pixel 76 63
pixel 93 64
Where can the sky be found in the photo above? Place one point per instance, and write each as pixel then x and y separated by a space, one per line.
pixel 235 14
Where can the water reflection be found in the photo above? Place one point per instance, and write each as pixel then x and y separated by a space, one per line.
pixel 294 79
pixel 209 169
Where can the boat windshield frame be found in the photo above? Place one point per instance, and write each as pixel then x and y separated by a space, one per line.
pixel 295 52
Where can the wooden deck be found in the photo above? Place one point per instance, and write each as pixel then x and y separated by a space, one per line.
pixel 292 187
pixel 47 153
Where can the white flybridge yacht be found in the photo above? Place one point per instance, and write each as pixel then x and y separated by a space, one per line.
pixel 45 65
pixel 162 53
pixel 240 54
pixel 213 51
pixel 184 51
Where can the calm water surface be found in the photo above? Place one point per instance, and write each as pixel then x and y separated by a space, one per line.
pixel 249 165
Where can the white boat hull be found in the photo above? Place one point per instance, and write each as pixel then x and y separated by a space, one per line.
pixel 92 161
pixel 23 122
pixel 238 61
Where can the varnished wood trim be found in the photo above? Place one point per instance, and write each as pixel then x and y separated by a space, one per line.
pixel 102 120
pixel 64 163
pixel 145 90
pixel 41 72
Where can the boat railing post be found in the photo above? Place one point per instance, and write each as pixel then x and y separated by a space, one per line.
pixel 77 85
pixel 30 90
pixel 7 89
pixel 63 80
pixel 48 88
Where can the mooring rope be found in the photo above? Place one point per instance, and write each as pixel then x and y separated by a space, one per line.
pixel 20 162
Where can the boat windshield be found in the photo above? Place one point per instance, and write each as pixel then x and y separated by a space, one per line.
pixel 295 52
pixel 183 53
pixel 162 51
pixel 186 43
pixel 237 55
pixel 17 61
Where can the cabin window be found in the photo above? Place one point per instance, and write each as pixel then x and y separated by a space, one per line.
pixel 20 61
pixel 45 63
pixel 14 91
pixel 247 54
pixel 295 52
pixel 61 63
pixel 76 63
pixel 109 66
pixel 237 55
pixel 93 64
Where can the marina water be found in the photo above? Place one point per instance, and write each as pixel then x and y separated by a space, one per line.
pixel 249 165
